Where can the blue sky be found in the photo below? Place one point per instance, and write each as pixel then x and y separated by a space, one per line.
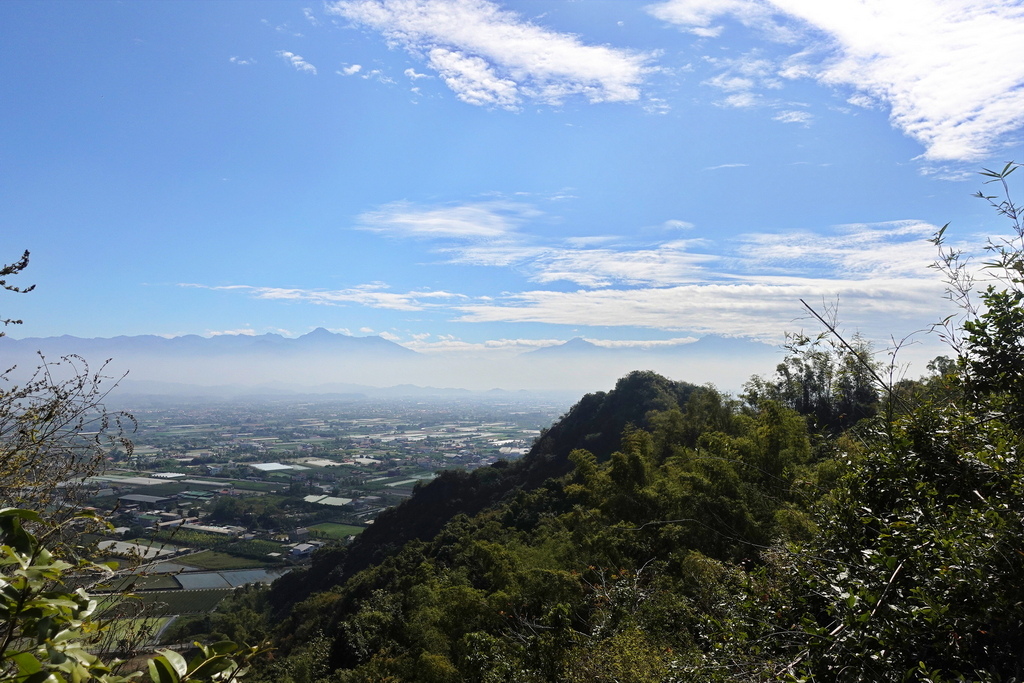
pixel 475 176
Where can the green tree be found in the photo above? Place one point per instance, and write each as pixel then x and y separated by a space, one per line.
pixel 915 574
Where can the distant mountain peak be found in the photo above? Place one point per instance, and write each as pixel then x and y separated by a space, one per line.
pixel 574 345
pixel 319 333
pixel 579 343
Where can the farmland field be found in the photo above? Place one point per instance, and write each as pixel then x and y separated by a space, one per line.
pixel 143 582
pixel 184 602
pixel 337 531
pixel 211 559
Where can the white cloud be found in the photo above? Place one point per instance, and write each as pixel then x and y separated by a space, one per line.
pixel 241 62
pixel 495 234
pixel 507 347
pixel 389 336
pixel 297 61
pixel 676 224
pixel 411 73
pixel 698 16
pixel 481 220
pixel 379 75
pixel 492 234
pixel 794 116
pixel 879 273
pixel 473 80
pixel 743 100
pixel 493 57
pixel 243 332
pixel 641 343
pixel 351 70
pixel 505 253
pixel 759 311
pixel 720 166
pixel 662 264
pixel 898 249
pixel 742 77
pixel 590 240
pixel 950 71
pixel 668 263
pixel 511 347
pixel 370 295
pixel 310 17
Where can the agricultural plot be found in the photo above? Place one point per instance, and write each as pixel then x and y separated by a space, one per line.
pixel 228 579
pixel 135 550
pixel 141 582
pixel 337 531
pixel 164 603
pixel 247 485
pixel 211 559
pixel 163 489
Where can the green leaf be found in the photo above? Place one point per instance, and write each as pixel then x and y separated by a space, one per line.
pixel 211 667
pixel 26 663
pixel 160 671
pixel 176 661
pixel 223 647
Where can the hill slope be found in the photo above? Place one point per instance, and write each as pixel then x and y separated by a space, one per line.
pixel 596 423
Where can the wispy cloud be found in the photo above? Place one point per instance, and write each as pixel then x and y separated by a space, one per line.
pixel 878 272
pixel 752 310
pixel 880 250
pixel 450 344
pixel 720 166
pixel 699 16
pixel 932 62
pixel 494 234
pixel 505 347
pixel 242 332
pixel 744 73
pixel 641 343
pixel 241 62
pixel 371 295
pixel 668 263
pixel 794 116
pixel 480 220
pixel 493 57
pixel 297 61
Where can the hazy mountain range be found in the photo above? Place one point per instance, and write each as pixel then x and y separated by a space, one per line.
pixel 325 362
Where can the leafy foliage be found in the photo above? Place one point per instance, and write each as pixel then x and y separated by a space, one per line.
pixel 46 630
